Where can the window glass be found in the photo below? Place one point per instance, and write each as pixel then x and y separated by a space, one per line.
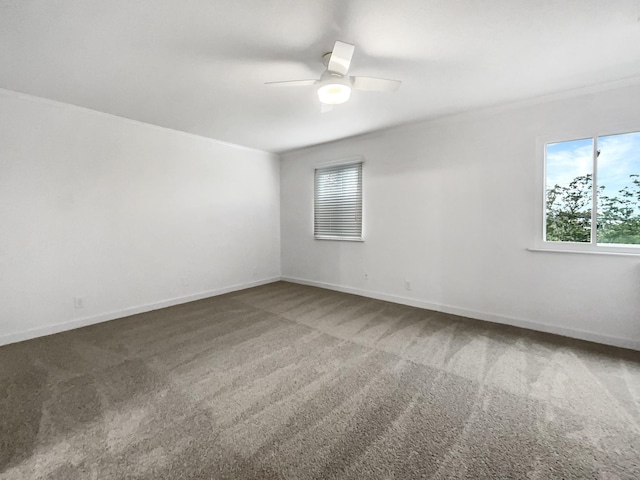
pixel 618 186
pixel 569 177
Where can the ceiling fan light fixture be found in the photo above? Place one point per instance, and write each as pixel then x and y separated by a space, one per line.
pixel 334 93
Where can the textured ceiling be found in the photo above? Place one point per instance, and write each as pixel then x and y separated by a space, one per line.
pixel 200 65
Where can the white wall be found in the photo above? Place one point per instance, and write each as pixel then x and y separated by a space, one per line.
pixel 453 205
pixel 119 213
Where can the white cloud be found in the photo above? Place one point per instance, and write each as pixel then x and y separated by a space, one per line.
pixel 619 158
pixel 568 160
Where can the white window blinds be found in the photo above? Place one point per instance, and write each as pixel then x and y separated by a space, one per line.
pixel 338 202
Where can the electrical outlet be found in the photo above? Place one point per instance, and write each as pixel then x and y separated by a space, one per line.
pixel 407 284
pixel 366 276
pixel 78 302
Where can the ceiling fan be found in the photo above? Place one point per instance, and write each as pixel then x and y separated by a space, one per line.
pixel 334 86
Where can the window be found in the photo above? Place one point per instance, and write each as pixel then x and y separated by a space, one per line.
pixel 338 202
pixel 592 191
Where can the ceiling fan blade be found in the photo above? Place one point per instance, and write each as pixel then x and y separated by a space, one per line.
pixel 375 84
pixel 341 58
pixel 324 108
pixel 292 83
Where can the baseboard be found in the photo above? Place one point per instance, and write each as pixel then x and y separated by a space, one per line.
pixel 489 317
pixel 105 317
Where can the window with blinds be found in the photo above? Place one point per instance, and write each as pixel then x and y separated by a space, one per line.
pixel 338 202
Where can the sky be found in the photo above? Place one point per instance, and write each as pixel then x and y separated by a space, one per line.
pixel 619 157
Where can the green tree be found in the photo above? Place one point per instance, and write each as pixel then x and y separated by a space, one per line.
pixel 569 212
pixel 619 216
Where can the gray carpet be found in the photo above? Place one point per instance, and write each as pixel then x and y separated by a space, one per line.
pixel 288 381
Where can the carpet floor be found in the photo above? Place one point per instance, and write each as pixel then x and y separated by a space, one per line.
pixel 296 382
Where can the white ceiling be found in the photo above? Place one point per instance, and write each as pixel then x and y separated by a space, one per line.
pixel 200 65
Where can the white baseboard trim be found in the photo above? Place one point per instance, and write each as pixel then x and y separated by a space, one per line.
pixel 105 317
pixel 489 317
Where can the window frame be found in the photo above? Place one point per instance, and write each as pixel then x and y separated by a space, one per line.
pixel 343 162
pixel 541 243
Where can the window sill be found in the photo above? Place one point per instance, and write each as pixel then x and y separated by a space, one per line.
pixel 344 239
pixel 584 252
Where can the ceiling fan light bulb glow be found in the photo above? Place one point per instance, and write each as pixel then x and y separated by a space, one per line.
pixel 334 93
